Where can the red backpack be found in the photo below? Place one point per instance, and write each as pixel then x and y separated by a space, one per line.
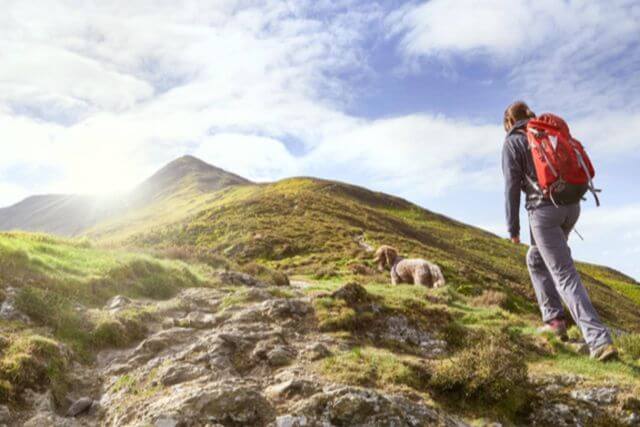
pixel 565 172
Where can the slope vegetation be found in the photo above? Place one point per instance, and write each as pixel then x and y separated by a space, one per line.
pixel 180 187
pixel 320 228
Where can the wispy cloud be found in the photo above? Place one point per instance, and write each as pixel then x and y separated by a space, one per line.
pixel 572 56
pixel 99 96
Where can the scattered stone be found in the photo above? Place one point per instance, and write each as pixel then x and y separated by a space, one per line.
pixel 199 320
pixel 79 406
pixel 280 356
pixel 292 388
pixel 8 309
pixel 362 407
pixel 398 329
pixel 291 421
pixel 5 414
pixel 599 395
pixel 236 278
pixel 181 373
pixel 316 351
pixel 234 405
pixel 166 421
pixel 117 303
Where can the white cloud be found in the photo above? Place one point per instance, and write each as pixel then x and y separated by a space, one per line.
pixel 612 237
pixel 109 91
pixel 105 93
pixel 9 193
pixel 609 134
pixel 417 155
pixel 574 57
pixel 253 157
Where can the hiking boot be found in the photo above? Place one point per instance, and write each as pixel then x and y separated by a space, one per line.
pixel 604 352
pixel 557 327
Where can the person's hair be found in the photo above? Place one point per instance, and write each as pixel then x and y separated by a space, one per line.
pixel 519 110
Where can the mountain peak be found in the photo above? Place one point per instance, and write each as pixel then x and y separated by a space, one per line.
pixel 187 172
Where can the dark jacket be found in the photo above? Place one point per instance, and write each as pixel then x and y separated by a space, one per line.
pixel 517 163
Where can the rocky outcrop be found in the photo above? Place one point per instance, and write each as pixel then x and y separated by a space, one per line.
pixel 206 362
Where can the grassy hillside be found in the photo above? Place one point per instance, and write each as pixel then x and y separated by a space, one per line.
pixel 321 233
pixel 62 285
pixel 181 187
pixel 321 229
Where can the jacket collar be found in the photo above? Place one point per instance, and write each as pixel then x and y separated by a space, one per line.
pixel 518 125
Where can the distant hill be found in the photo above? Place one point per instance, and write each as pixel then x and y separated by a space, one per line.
pixel 72 215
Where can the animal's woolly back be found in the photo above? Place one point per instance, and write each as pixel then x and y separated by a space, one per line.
pixel 436 274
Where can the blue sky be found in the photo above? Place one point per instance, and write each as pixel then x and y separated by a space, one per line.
pixel 402 97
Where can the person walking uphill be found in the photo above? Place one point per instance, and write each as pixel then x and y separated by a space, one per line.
pixel 551 219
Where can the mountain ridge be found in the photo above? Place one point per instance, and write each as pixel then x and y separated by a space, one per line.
pixel 73 214
pixel 260 304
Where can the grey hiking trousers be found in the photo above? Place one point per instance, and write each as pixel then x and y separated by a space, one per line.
pixel 554 275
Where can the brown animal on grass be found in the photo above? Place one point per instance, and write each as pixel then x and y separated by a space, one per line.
pixel 413 271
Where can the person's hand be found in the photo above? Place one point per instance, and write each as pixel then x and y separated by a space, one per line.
pixel 515 240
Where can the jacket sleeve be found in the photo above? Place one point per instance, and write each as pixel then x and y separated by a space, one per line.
pixel 512 170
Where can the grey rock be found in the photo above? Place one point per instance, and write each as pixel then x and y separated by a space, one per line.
pixel 398 329
pixel 177 374
pixel 199 320
pixel 8 309
pixel 291 421
pixel 292 388
pixel 280 356
pixel 362 407
pixel 316 351
pixel 79 406
pixel 166 421
pixel 236 278
pixel 599 395
pixel 5 414
pixel 117 303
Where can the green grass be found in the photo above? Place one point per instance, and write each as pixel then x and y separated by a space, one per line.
pixel 53 276
pixel 314 229
pixel 310 227
pixel 374 367
pixel 62 285
pixel 32 361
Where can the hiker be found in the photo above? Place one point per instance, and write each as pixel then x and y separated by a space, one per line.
pixel 551 219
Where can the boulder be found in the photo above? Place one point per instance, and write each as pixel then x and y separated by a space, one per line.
pixel 5 414
pixel 597 395
pixel 80 406
pixel 291 389
pixel 236 278
pixel 180 373
pixel 316 351
pixel 355 406
pixel 280 356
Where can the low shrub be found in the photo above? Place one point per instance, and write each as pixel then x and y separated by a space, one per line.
pixel 265 274
pixel 491 298
pixel 35 362
pixel 629 344
pixel 492 371
pixel 372 367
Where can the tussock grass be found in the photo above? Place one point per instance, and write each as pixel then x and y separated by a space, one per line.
pixel 61 284
pixel 374 367
pixel 32 361
pixel 316 228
